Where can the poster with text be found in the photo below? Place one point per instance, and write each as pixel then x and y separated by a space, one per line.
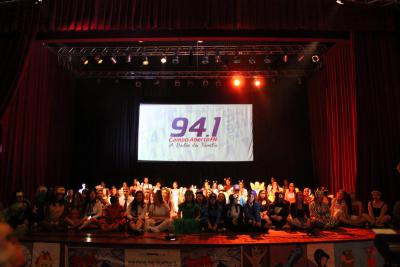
pixel 217 256
pixel 195 132
pixel 104 257
pixel 321 254
pixel 46 254
pixel 152 258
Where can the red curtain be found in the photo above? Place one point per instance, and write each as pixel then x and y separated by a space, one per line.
pixel 377 64
pixel 333 118
pixel 37 126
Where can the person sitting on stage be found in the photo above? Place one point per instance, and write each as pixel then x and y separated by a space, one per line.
pixel 242 193
pixel 308 198
pixel 235 214
pixel 201 200
pixel 275 188
pixel 188 215
pixel 222 204
pixel 377 211
pixel 19 212
pixel 210 219
pixel 320 212
pixel 136 213
pixel 158 219
pixel 93 210
pixel 126 198
pixel 285 186
pixel 290 194
pixel 114 217
pixel 135 186
pixel 269 186
pixel 228 185
pixel 298 218
pixel 166 196
pixel 264 204
pixel 74 214
pixel 146 185
pixel 56 212
pixel 278 212
pixel 157 187
pixel 339 209
pixel 252 216
pixel 214 187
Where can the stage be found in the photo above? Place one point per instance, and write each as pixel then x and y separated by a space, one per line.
pixel 274 248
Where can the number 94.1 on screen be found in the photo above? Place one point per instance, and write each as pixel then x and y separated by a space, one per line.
pixel 180 126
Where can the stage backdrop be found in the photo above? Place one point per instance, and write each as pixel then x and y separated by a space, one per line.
pixel 107 121
pixel 195 133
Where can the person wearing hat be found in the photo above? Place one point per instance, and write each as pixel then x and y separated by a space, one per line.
pixel 210 218
pixel 252 209
pixel 278 211
pixel 235 214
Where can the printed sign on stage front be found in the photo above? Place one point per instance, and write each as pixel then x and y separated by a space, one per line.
pixel 353 254
pixel 152 258
pixel 105 257
pixel 217 256
pixel 288 255
pixel 321 254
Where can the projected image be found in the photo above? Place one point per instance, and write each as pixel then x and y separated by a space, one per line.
pixel 195 133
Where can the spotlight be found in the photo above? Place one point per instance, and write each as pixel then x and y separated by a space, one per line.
pixel 267 60
pixel 145 62
pixel 205 83
pixel 300 58
pixel 237 82
pixel 84 60
pixel 218 83
pixel 138 84
pixel 98 59
pixel 175 60
pixel 163 59
pixel 205 61
pixel 128 58
pixel 257 83
pixel 252 61
pixel 236 60
pixel 315 58
pixel 199 41
pixel 177 83
pixel 113 59
pixel 340 2
pixel 285 58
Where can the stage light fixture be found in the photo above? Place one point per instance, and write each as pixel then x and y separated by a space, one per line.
pixel 163 59
pixel 315 58
pixel 340 2
pixel 145 61
pixel 138 84
pixel 218 59
pixel 257 83
pixel 113 60
pixel 218 83
pixel 175 60
pixel 252 60
pixel 236 60
pixel 285 58
pixel 199 41
pixel 300 58
pixel 205 83
pixel 84 60
pixel 128 58
pixel 177 83
pixel 157 82
pixel 189 83
pixel 98 59
pixel 267 60
pixel 204 60
pixel 237 82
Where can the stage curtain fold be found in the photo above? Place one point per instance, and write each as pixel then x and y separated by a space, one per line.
pixel 37 126
pixel 333 120
pixel 377 61
pixel 149 15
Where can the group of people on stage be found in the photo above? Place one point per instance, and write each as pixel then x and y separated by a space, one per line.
pixel 213 207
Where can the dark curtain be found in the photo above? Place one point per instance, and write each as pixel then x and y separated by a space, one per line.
pixel 18 27
pixel 106 126
pixel 377 64
pixel 37 126
pixel 333 118
pixel 147 15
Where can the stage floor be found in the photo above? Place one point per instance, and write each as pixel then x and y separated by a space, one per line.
pixel 204 239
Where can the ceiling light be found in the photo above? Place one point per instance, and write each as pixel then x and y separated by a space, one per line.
pixel 163 59
pixel 98 59
pixel 177 83
pixel 128 58
pixel 315 58
pixel 145 62
pixel 252 61
pixel 300 58
pixel 84 60
pixel 285 58
pixel 113 59
pixel 267 59
pixel 205 61
pixel 205 83
pixel 340 2
pixel 175 60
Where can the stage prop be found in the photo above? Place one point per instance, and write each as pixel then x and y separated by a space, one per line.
pixel 195 132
